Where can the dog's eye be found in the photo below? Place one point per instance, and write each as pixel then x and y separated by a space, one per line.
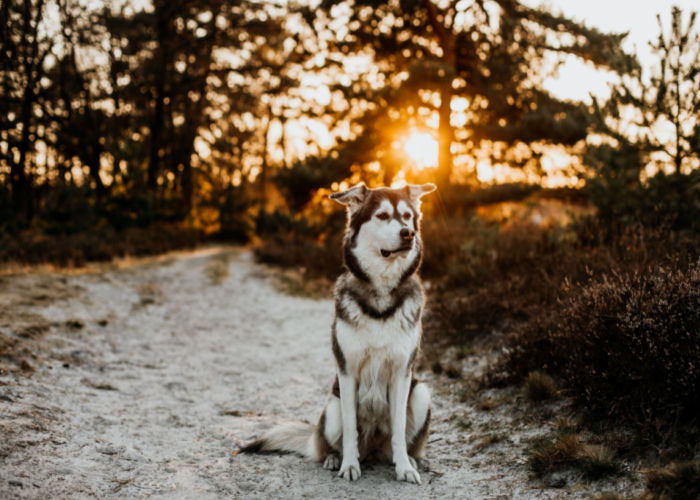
pixel 407 215
pixel 383 216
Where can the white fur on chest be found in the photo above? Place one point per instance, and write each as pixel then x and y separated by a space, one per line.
pixel 376 352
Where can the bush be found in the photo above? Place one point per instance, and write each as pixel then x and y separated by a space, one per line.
pixel 234 220
pixel 296 242
pixel 678 481
pixel 626 343
pixel 32 247
pixel 68 210
pixel 488 278
pixel 671 200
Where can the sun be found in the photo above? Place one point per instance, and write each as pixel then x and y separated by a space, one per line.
pixel 422 148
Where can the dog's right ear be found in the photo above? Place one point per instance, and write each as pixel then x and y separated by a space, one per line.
pixel 351 198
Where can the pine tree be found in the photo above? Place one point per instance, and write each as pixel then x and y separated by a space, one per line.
pixel 646 167
pixel 490 52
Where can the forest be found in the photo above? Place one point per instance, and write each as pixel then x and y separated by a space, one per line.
pixel 563 239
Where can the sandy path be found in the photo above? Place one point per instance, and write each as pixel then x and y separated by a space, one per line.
pixel 156 372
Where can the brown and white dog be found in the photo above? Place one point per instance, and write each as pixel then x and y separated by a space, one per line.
pixel 376 409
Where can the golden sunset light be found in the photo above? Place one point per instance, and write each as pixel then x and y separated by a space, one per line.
pixel 422 148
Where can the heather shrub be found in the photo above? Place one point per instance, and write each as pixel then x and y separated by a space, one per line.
pixel 487 277
pixel 291 242
pixel 677 481
pixel 627 344
pixel 101 244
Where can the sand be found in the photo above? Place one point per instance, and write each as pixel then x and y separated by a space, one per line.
pixel 147 375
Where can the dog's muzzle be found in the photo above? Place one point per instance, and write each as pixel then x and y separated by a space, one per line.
pixel 402 248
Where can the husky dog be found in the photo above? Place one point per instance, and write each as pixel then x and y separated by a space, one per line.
pixel 376 409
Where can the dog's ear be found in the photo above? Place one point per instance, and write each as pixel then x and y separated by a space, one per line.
pixel 351 198
pixel 417 191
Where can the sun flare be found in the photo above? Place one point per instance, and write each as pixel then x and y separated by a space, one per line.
pixel 422 148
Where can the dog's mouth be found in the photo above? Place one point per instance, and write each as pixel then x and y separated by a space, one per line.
pixel 401 249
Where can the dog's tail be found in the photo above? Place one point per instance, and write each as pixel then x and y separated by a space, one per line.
pixel 292 437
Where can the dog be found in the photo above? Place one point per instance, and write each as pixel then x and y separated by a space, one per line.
pixel 377 409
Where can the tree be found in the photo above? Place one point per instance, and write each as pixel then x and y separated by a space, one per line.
pixel 652 122
pixel 487 52
pixel 23 55
pixel 665 111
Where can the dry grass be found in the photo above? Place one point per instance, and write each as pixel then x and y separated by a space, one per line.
pixel 539 387
pixel 568 451
pixel 678 481
pixel 487 441
pixel 297 282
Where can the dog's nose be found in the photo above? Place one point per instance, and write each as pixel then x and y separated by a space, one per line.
pixel 406 233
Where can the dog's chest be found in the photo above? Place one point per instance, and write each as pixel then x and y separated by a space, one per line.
pixel 377 345
pixel 376 352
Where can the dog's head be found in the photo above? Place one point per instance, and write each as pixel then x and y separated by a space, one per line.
pixel 383 225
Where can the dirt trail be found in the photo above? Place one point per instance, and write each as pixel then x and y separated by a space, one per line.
pixel 154 374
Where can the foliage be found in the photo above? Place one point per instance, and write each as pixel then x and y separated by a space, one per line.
pixel 135 106
pixel 677 481
pixel 31 247
pixel 626 343
pixel 491 278
pixel 298 243
pixel 487 53
pixel 639 113
pixel 646 168
pixel 671 200
pixel 299 182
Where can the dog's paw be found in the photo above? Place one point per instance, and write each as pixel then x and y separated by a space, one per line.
pixel 350 470
pixel 413 462
pixel 407 473
pixel 332 462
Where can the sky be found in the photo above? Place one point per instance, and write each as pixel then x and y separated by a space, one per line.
pixel 638 17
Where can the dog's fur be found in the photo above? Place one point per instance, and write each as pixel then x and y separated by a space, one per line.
pixel 376 409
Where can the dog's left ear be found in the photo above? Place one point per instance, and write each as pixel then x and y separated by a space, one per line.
pixel 351 198
pixel 417 191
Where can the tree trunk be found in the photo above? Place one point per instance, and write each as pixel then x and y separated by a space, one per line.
pixel 447 42
pixel 445 138
pixel 159 109
pixel 264 164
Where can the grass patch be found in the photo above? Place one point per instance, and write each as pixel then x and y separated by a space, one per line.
pixel 296 282
pixel 567 451
pixel 488 440
pixel 539 387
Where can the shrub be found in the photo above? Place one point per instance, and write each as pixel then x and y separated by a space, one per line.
pixel 671 200
pixel 68 209
pixel 678 481
pixel 295 242
pixel 489 278
pixel 32 247
pixel 626 343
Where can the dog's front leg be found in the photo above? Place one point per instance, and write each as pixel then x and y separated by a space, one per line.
pixel 350 466
pixel 398 403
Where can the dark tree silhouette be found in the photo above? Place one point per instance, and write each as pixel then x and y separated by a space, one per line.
pixel 490 52
pixel 655 122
